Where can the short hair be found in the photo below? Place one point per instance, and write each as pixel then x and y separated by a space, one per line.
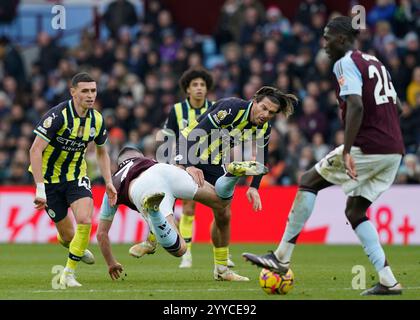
pixel 81 77
pixel 343 25
pixel 125 150
pixel 286 101
pixel 194 73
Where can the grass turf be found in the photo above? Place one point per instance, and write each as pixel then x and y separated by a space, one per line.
pixel 321 272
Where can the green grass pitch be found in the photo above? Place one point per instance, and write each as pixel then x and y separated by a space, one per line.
pixel 321 272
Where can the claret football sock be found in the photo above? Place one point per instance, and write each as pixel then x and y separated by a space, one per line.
pixel 300 213
pixel 78 245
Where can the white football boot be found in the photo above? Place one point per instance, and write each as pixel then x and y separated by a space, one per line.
pixel 68 279
pixel 186 260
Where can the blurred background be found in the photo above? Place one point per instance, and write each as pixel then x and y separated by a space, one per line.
pixel 137 50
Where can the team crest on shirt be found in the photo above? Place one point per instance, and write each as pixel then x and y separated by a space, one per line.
pixel 92 132
pixel 51 213
pixel 47 122
pixel 341 81
pixel 219 116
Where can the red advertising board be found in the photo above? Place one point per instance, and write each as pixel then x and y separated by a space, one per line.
pixel 395 214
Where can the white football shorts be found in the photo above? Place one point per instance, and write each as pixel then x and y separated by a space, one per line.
pixel 375 172
pixel 175 182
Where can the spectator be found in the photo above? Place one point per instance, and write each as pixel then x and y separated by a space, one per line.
pixel 49 53
pixel 410 119
pixel 384 10
pixel 119 13
pixel 409 172
pixel 307 8
pixel 276 23
pixel 413 88
pixel 12 61
pixel 312 120
pixel 320 149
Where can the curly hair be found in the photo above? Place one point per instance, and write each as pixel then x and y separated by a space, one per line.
pixel 194 73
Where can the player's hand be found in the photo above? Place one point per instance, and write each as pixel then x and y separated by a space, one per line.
pixel 349 165
pixel 40 203
pixel 40 197
pixel 197 175
pixel 115 271
pixel 112 194
pixel 254 198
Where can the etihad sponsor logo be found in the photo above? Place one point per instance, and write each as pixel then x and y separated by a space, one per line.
pixel 72 145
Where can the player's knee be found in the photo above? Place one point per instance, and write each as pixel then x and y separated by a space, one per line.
pixel 355 217
pixel 100 235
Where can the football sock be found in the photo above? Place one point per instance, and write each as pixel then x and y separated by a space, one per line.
pixel 186 229
pixel 78 245
pixel 369 238
pixel 386 277
pixel 221 256
pixel 166 236
pixel 151 237
pixel 225 186
pixel 65 244
pixel 301 211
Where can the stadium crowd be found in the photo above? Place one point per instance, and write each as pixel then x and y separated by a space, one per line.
pixel 137 69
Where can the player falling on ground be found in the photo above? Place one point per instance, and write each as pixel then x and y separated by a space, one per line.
pixel 365 166
pixel 59 168
pixel 204 148
pixel 195 83
pixel 151 188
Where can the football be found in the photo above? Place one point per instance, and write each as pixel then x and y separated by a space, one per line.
pixel 272 283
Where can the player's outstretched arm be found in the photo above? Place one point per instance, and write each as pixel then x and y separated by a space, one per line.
pixel 35 155
pixel 105 222
pixel 105 166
